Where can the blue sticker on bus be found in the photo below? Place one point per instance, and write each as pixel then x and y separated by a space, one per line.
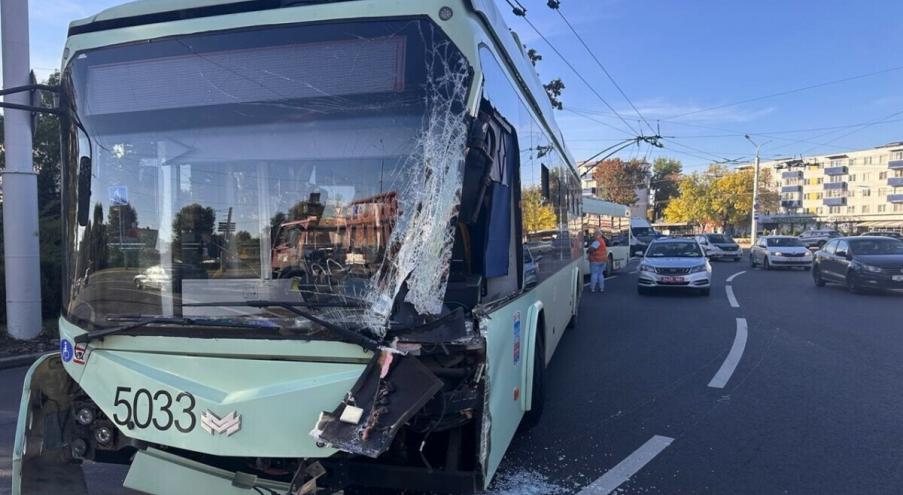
pixel 516 328
pixel 66 351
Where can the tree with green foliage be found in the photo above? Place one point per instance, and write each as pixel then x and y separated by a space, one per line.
pixel 666 175
pixel 553 89
pixel 617 181
pixel 719 197
pixel 536 216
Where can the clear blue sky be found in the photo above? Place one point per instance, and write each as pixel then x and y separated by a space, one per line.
pixel 673 57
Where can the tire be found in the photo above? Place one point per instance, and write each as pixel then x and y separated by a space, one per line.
pixel 852 283
pixel 139 285
pixel 609 267
pixel 816 277
pixel 765 264
pixel 752 261
pixel 538 398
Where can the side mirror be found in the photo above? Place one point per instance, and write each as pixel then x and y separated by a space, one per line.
pixel 84 190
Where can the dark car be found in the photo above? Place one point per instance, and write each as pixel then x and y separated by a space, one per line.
pixel 860 263
pixel 895 235
pixel 815 239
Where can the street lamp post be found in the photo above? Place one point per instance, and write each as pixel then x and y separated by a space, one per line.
pixel 755 199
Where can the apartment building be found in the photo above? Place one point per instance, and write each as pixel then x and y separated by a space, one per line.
pixel 853 191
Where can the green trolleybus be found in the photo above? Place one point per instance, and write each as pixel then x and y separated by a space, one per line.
pixel 309 245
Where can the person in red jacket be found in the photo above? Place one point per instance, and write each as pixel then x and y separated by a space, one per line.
pixel 598 258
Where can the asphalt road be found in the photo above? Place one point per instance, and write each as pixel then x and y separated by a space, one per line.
pixel 813 404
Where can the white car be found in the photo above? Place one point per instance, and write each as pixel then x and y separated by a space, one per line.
pixel 675 263
pixel 719 246
pixel 154 277
pixel 775 251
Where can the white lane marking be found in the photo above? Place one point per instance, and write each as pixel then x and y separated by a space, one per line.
pixel 733 357
pixel 732 277
pixel 730 296
pixel 617 475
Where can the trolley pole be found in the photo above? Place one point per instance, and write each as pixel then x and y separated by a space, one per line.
pixel 20 182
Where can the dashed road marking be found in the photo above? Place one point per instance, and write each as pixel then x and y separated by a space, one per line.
pixel 730 296
pixel 733 357
pixel 732 277
pixel 617 475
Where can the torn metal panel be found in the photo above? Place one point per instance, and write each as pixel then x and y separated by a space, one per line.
pixel 390 391
pixel 420 245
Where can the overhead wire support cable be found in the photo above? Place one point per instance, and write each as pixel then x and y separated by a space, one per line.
pixel 791 91
pixel 522 12
pixel 554 5
pixel 654 141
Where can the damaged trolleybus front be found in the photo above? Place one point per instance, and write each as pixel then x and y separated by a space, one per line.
pixel 309 244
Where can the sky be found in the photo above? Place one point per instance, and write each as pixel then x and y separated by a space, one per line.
pixel 673 57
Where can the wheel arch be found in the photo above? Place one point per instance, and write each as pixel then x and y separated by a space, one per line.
pixel 535 332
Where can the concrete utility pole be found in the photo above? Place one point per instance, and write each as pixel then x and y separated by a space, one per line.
pixel 20 182
pixel 755 199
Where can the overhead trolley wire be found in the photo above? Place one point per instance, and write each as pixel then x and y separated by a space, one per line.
pixel 520 11
pixel 792 91
pixel 554 6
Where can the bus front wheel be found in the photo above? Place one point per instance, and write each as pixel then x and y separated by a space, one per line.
pixel 609 267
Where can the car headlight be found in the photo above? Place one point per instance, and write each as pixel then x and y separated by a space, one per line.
pixel 873 269
pixel 778 253
pixel 646 268
pixel 697 269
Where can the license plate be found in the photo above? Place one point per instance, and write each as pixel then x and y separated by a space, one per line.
pixel 671 280
pixel 897 278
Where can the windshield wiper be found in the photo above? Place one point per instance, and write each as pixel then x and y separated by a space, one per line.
pixel 151 320
pixel 347 334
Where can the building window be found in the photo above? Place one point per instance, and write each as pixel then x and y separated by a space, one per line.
pixel 834 209
pixel 852 209
pixel 898 155
pixel 851 162
pixel 819 210
pixel 852 177
pixel 866 209
pixel 836 163
pixel 898 207
pixel 866 193
pixel 882 208
pixel 867 160
pixel 882 176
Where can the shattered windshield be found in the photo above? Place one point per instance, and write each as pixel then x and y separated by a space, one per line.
pixel 291 165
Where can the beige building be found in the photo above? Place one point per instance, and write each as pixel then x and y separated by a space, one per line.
pixel 854 191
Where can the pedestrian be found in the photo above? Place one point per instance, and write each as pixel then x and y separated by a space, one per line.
pixel 598 258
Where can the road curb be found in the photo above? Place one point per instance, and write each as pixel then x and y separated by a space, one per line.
pixel 19 361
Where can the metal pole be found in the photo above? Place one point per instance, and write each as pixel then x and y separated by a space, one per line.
pixel 20 182
pixel 755 199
